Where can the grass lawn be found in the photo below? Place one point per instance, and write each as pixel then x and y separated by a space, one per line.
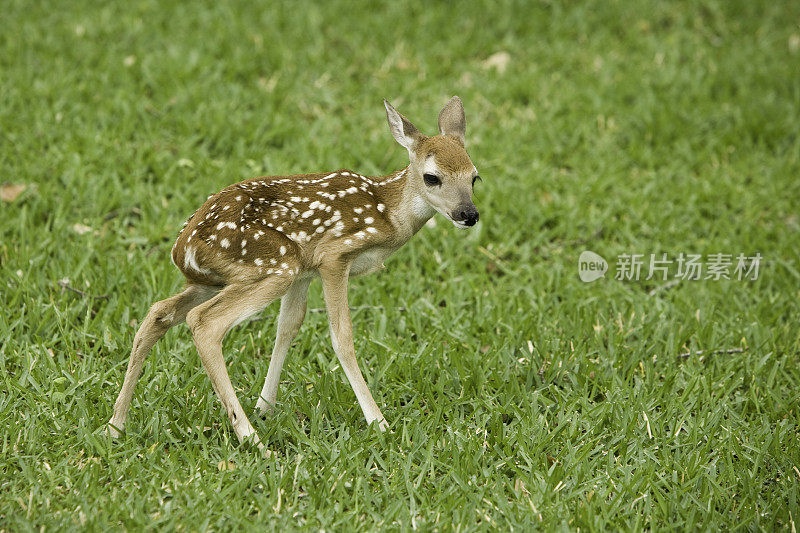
pixel 519 397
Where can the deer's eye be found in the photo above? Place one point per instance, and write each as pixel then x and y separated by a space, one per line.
pixel 431 180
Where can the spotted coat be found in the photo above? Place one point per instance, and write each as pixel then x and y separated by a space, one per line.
pixel 283 225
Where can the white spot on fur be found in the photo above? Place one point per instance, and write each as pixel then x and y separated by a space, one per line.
pixel 224 243
pixel 188 258
pixel 190 261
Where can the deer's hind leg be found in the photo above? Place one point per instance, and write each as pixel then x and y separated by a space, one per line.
pixel 211 321
pixel 161 317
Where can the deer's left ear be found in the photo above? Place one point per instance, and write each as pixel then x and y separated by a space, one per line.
pixel 452 120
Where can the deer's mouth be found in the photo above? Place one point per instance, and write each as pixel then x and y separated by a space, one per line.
pixel 465 216
pixel 446 213
pixel 456 223
pixel 460 224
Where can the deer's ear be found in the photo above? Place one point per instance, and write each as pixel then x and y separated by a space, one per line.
pixel 403 131
pixel 452 120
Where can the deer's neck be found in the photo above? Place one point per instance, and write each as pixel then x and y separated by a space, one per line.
pixel 407 210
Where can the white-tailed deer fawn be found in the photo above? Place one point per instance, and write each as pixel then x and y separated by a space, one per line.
pixel 267 238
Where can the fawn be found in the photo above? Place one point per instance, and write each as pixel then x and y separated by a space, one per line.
pixel 267 238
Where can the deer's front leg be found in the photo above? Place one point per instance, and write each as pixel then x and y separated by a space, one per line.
pixel 334 287
pixel 293 310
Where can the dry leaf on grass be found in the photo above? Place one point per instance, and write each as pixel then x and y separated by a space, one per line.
pixel 80 229
pixel 226 465
pixel 9 192
pixel 498 61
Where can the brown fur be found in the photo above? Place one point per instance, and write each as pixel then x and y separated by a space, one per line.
pixel 448 154
pixel 250 217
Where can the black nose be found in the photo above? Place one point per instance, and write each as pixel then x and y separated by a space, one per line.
pixel 467 214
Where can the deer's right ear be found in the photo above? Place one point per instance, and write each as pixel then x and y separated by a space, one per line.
pixel 402 129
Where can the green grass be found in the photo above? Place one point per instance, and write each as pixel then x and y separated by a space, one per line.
pixel 518 396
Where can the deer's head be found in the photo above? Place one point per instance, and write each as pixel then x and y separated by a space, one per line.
pixel 440 171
